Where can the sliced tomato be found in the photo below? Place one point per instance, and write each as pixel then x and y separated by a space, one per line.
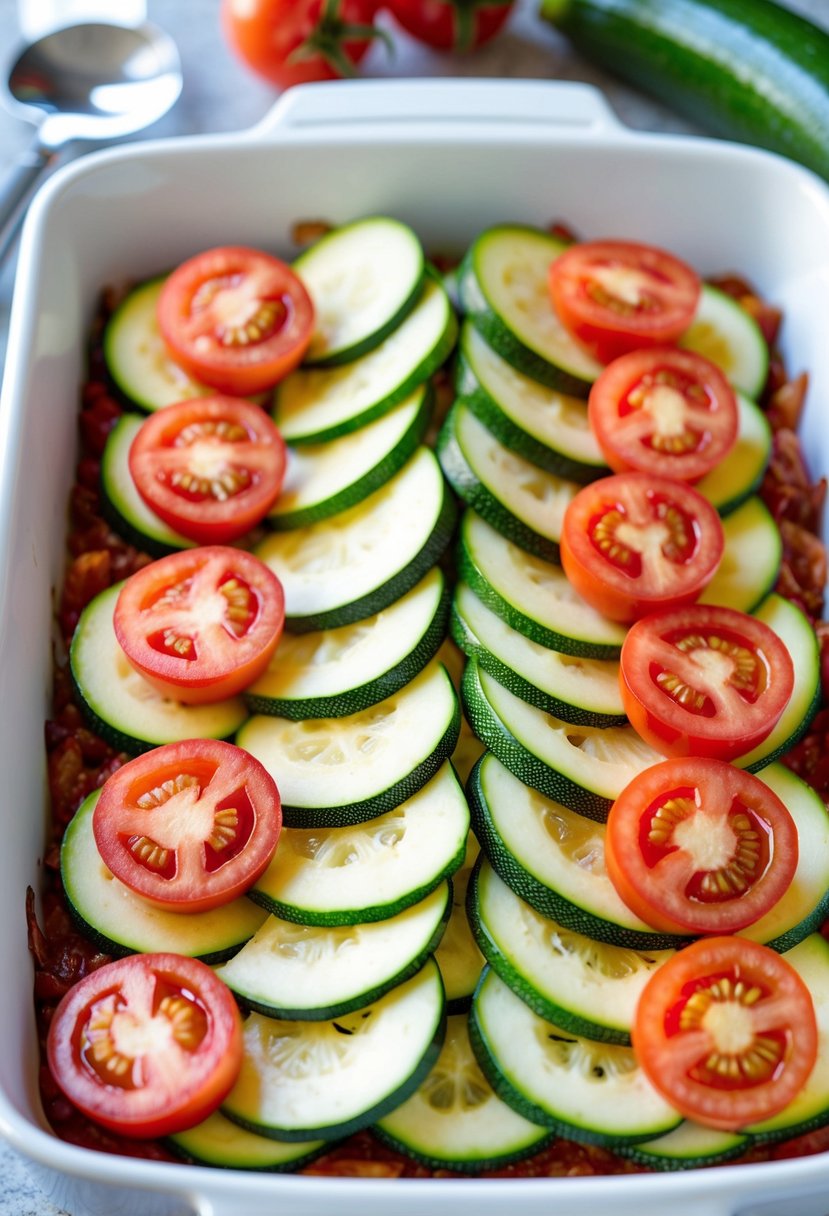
pixel 665 411
pixel 633 543
pixel 725 1030
pixel 236 318
pixel 190 825
pixel 451 25
pixel 211 468
pixel 147 1045
pixel 202 624
pixel 704 681
pixel 698 846
pixel 618 296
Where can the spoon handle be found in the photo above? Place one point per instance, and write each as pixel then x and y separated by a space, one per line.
pixel 14 188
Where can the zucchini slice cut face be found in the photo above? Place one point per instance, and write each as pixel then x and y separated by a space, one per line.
pixel 592 1092
pixel 309 1080
pixel 458 957
pixel 123 506
pixel 738 476
pixel 726 334
pixel 751 558
pixel 124 923
pixel 689 1146
pixel 311 973
pixel 454 1120
pixel 218 1141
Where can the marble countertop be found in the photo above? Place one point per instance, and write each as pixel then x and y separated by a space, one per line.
pixel 220 95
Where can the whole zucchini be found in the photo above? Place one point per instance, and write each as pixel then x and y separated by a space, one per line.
pixel 746 69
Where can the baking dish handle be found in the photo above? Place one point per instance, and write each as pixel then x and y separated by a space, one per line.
pixel 438 104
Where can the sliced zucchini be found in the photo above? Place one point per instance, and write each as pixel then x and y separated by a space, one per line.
pixel 546 427
pixel 136 357
pixel 467 751
pixel 316 405
pixel 583 691
pixel 739 476
pixel 724 332
pixel 121 922
pixel 504 292
pixel 119 703
pixel 751 559
pixel 363 279
pixel 810 1109
pixel 583 767
pixel 355 564
pixel 221 1143
pixel 342 671
pixel 310 1080
pixel 524 503
pixel 690 1146
pixel 458 957
pixel 454 1120
pixel 374 870
pixel 792 625
pixel 531 595
pixel 553 859
pixel 323 479
pixel 376 758
pixel 122 505
pixel 586 987
pixel 592 1092
pixel 311 973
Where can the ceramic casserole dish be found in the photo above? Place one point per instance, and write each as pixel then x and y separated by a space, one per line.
pixel 450 158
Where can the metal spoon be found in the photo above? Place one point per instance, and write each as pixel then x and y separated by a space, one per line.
pixel 84 82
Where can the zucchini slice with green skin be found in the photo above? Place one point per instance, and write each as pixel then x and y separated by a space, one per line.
pixel 531 595
pixel 121 922
pixel 524 503
pixel 315 405
pixel 690 1146
pixel 553 859
pixel 504 292
pixel 121 504
pixel 584 767
pixel 342 671
pixel 119 703
pixel 583 691
pixel 363 279
pixel 377 758
pixel 747 69
pixel 751 558
pixel 370 871
pixel 137 359
pixel 323 479
pixel 595 1093
pixel 323 1080
pixel 357 563
pixel 310 973
pixel 810 1109
pixel 739 475
pixel 726 334
pixel 548 428
pixel 219 1142
pixel 454 1120
pixel 458 957
pixel 586 987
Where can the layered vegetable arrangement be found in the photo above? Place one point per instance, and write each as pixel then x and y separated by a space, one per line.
pixel 636 965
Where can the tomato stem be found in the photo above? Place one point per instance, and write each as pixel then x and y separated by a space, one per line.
pixel 328 38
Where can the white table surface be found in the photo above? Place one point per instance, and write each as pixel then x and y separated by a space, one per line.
pixel 220 95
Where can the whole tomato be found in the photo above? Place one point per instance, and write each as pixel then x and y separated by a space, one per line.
pixel 451 25
pixel 294 41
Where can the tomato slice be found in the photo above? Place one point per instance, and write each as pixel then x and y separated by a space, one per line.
pixel 190 825
pixel 618 296
pixel 704 680
pixel 698 846
pixel 202 624
pixel 236 318
pixel 665 411
pixel 725 1030
pixel 633 543
pixel 211 468
pixel 148 1045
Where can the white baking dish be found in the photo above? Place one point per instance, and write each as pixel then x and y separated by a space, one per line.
pixel 449 158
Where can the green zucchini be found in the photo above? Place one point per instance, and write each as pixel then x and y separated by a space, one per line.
pixel 221 1143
